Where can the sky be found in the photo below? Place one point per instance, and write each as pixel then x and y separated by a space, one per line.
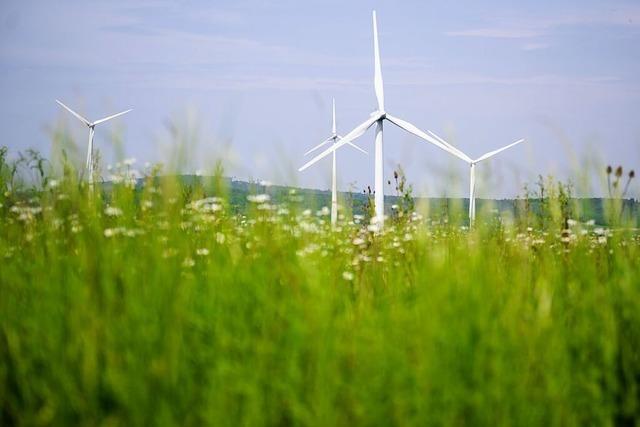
pixel 251 82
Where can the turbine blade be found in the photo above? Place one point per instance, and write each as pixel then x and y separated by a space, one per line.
pixel 319 145
pixel 494 152
pixel 377 83
pixel 333 127
pixel 467 158
pixel 420 134
pixel 97 122
pixel 86 122
pixel 357 148
pixel 355 133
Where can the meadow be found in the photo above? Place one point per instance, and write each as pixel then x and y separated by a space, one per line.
pixel 156 303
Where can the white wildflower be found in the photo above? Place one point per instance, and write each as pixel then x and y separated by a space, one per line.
pixel 188 262
pixel 323 212
pixel 202 252
pixel 112 211
pixel 258 198
pixel 347 275
pixel 374 228
pixel 220 238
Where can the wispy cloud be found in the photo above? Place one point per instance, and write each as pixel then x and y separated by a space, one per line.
pixel 497 33
pixel 535 46
pixel 525 28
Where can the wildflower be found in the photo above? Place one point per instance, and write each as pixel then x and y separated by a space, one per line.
pixel 347 275
pixel 602 240
pixel 358 241
pixel 591 222
pixel 394 207
pixel 374 228
pixel 258 198
pixel 129 162
pixel 53 183
pixel 220 238
pixel 188 262
pixel 202 252
pixel 306 212
pixel 112 211
pixel 571 222
pixel 618 171
pixel 323 212
pixel 109 232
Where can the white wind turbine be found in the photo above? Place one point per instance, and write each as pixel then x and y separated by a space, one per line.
pixel 334 183
pixel 91 125
pixel 378 117
pixel 472 171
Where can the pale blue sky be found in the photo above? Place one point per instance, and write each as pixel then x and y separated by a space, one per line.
pixel 259 77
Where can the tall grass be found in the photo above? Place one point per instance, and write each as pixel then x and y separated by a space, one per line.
pixel 162 306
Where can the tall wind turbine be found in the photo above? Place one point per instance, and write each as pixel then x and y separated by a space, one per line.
pixel 378 117
pixel 334 183
pixel 91 126
pixel 472 172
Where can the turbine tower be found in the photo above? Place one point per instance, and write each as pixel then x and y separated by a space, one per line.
pixel 91 125
pixel 378 117
pixel 472 172
pixel 334 183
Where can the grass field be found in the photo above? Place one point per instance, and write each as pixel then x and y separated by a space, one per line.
pixel 161 306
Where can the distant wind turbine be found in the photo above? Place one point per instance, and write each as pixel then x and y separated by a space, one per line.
pixel 472 172
pixel 91 125
pixel 334 184
pixel 378 117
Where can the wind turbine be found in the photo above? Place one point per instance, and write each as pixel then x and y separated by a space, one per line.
pixel 378 117
pixel 334 183
pixel 472 171
pixel 91 125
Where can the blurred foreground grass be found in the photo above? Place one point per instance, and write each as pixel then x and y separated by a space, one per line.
pixel 160 306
